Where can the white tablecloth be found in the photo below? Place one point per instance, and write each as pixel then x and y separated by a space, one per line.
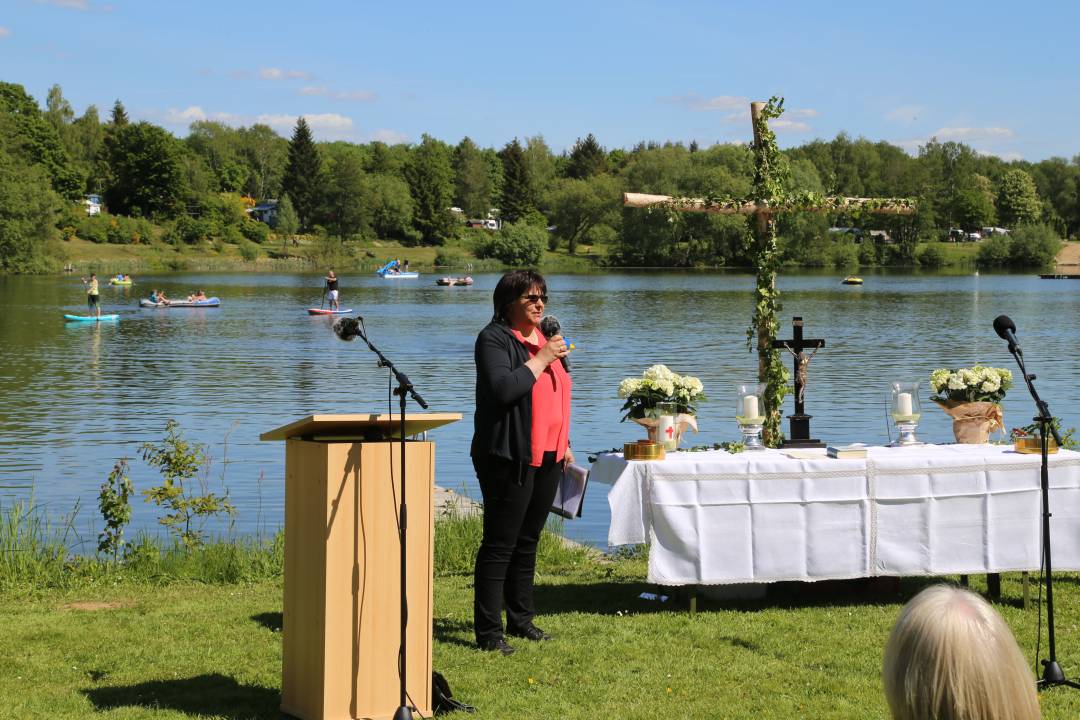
pixel 717 518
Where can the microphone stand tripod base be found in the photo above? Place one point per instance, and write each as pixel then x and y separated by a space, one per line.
pixel 403 713
pixel 1053 675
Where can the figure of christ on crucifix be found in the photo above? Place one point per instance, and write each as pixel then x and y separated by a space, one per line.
pixel 797 346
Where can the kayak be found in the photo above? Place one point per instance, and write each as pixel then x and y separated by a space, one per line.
pixel 401 276
pixel 320 311
pixel 209 302
pixel 90 318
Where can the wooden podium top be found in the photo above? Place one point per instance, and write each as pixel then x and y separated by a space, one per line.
pixel 359 425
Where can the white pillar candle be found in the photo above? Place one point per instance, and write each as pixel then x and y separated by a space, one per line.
pixel 750 406
pixel 903 404
pixel 666 431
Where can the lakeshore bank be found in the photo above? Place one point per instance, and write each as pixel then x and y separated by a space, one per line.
pixel 458 257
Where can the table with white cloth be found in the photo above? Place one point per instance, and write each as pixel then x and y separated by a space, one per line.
pixel 713 518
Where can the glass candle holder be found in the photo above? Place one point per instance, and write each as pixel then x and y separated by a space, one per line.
pixel 905 410
pixel 666 432
pixel 750 414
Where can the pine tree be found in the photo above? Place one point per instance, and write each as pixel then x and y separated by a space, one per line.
pixel 431 182
pixel 586 159
pixel 518 197
pixel 119 115
pixel 302 176
pixel 472 180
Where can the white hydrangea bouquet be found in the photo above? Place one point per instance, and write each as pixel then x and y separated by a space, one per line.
pixel 970 396
pixel 974 384
pixel 657 385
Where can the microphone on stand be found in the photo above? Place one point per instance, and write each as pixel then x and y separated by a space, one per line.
pixel 348 328
pixel 550 327
pixel 1006 330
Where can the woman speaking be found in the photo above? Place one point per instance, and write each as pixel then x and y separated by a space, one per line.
pixel 520 442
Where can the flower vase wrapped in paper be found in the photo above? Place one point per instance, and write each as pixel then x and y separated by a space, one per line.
pixel 663 402
pixel 667 430
pixel 971 397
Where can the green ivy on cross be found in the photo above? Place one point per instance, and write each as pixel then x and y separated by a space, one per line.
pixel 769 196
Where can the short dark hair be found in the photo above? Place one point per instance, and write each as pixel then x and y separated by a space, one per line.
pixel 513 285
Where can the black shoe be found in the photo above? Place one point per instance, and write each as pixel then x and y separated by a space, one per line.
pixel 531 633
pixel 498 644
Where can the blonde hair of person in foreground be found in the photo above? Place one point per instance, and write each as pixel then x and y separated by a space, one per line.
pixel 950 656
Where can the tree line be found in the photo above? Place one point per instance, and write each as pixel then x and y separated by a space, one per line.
pixel 196 187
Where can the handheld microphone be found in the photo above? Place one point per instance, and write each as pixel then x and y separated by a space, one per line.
pixel 550 327
pixel 348 328
pixel 1006 330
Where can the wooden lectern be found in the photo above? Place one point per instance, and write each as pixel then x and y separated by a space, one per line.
pixel 342 607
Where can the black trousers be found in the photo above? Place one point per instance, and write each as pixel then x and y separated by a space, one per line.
pixel 516 504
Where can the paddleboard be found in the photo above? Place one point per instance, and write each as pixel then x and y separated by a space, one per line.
pixel 90 318
pixel 320 311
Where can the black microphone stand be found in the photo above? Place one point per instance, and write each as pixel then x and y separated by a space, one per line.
pixel 404 388
pixel 1052 672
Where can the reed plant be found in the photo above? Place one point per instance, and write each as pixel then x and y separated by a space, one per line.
pixel 33 549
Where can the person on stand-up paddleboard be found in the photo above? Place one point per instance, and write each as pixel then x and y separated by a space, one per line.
pixel 332 291
pixel 92 294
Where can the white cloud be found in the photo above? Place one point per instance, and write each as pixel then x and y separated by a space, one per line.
pixel 4 32
pixel 69 4
pixel 273 73
pixel 356 96
pixel 736 110
pixel 189 114
pixel 1006 156
pixel 973 134
pixel 905 113
pixel 194 113
pixel 327 126
pixel 390 137
pixel 794 126
pixel 345 95
pixel 722 103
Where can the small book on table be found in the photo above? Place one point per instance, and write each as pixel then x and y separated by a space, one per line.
pixel 846 452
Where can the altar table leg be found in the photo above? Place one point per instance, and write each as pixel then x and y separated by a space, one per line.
pixel 963 580
pixel 993 586
pixel 693 599
pixel 1024 582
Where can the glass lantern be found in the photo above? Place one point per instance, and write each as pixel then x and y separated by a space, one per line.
pixel 905 410
pixel 750 414
pixel 666 430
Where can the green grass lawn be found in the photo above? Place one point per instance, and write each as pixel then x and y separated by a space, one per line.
pixel 146 644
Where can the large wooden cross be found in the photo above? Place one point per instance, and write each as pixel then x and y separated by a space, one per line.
pixel 761 214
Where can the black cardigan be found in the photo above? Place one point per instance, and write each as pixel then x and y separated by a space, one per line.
pixel 502 425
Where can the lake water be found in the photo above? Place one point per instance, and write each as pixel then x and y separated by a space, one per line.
pixel 78 396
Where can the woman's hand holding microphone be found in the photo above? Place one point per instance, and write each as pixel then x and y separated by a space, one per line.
pixel 554 349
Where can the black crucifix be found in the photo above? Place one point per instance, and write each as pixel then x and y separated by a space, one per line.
pixel 800 421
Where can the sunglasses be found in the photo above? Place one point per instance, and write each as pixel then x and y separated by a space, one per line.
pixel 535 298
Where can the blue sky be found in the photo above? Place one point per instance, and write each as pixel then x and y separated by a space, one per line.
pixel 1001 77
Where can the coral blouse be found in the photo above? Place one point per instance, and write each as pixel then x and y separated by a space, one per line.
pixel 550 406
